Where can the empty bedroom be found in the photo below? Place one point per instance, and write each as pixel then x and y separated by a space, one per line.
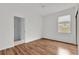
pixel 39 28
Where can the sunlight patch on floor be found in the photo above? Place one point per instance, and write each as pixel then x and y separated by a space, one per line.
pixel 62 51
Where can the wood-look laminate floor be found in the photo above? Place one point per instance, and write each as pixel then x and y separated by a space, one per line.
pixel 41 47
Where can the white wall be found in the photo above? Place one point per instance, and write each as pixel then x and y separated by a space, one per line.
pixel 33 28
pixel 32 23
pixel 50 26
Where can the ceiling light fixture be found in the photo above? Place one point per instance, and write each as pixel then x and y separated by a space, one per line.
pixel 42 5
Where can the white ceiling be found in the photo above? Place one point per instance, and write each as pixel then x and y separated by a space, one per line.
pixel 43 8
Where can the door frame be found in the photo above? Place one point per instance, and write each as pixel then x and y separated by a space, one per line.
pixel 23 40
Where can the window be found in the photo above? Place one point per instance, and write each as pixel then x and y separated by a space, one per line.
pixel 64 23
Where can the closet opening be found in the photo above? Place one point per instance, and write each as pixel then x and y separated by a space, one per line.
pixel 19 30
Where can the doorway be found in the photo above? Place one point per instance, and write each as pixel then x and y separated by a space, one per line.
pixel 77 27
pixel 19 30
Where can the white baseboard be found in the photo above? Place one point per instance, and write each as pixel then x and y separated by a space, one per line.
pixel 27 41
pixel 6 47
pixel 19 42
